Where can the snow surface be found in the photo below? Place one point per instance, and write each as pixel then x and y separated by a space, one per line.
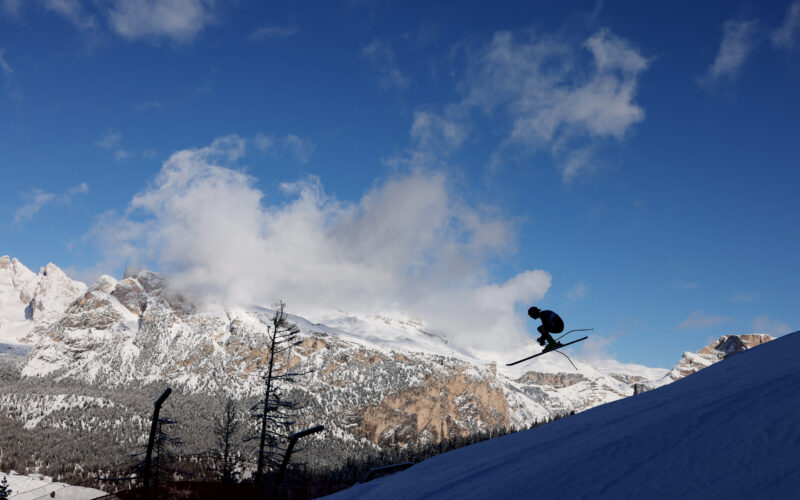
pixel 37 486
pixel 731 430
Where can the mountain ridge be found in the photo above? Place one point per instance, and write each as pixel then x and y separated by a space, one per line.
pixel 372 381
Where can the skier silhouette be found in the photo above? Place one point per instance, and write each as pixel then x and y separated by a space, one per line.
pixel 551 323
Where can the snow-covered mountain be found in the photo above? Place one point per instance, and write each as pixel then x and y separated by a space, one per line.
pixel 720 349
pixel 692 362
pixel 728 431
pixel 28 300
pixel 372 380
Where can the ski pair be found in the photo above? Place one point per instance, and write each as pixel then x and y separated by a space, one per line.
pixel 559 346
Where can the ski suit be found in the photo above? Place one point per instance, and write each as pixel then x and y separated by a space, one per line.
pixel 551 323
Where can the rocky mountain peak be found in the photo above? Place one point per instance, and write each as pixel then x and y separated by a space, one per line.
pixel 105 284
pixel 53 293
pixel 26 297
pixel 722 348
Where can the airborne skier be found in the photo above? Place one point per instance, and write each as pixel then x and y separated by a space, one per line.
pixel 551 323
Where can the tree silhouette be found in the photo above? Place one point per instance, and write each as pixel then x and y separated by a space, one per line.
pixel 5 491
pixel 273 411
pixel 226 427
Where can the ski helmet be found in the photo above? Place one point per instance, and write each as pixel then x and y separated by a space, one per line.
pixel 533 312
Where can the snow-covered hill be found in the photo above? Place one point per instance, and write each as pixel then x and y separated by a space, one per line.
pixel 728 431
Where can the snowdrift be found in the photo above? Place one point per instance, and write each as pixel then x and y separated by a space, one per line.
pixel 731 430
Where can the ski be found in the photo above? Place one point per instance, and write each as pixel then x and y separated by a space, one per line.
pixel 545 352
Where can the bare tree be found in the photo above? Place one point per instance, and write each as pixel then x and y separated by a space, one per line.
pixel 273 411
pixel 226 428
pixel 163 453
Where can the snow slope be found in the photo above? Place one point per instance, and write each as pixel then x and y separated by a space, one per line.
pixel 728 431
pixel 35 487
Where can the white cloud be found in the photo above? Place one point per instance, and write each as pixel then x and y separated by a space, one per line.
pixel 36 199
pixel 273 32
pixel 7 71
pixel 149 105
pixel 556 96
pixel 300 148
pixel 264 143
pixel 785 36
pixel 109 140
pixel 81 188
pixel 380 54
pixel 11 7
pixel 699 320
pixel 576 162
pixel 577 292
pixel 744 297
pixel 433 132
pixel 112 141
pixel 176 20
pixel 738 40
pixel 434 137
pixel 72 10
pixel 8 74
pixel 764 324
pixel 408 246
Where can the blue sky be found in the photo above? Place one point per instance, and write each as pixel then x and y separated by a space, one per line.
pixel 437 157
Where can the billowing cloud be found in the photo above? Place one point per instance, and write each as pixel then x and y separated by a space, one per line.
pixel 408 246
pixel 738 40
pixel 549 94
pixel 175 20
pixel 557 94
pixel 700 319
pixel 786 36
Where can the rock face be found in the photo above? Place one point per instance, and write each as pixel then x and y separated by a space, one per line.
pixel 692 362
pixel 724 347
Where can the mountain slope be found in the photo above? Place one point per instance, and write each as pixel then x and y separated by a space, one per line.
pixel 728 431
